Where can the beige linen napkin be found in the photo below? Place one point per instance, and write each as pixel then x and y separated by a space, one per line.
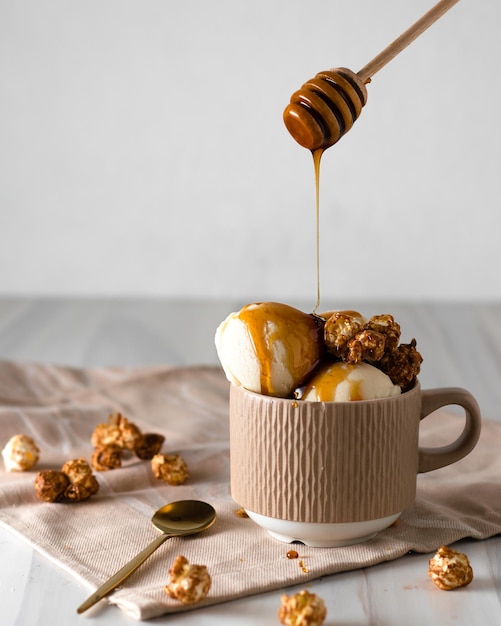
pixel 60 407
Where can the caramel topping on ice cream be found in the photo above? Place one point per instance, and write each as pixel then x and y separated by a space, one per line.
pixel 277 350
pixel 348 382
pixel 323 387
pixel 269 347
pixel 278 326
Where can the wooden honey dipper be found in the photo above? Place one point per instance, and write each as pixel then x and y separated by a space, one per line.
pixel 325 107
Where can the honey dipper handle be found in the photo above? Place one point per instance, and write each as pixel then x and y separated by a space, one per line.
pixel 405 39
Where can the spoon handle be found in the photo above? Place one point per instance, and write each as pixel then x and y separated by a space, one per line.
pixel 122 573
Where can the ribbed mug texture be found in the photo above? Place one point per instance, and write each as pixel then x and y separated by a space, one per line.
pixel 327 462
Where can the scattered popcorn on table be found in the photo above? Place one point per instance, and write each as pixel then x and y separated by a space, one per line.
pixel 188 583
pixel 450 569
pixel 20 453
pixel 119 431
pixel 83 483
pixel 170 468
pixel 106 458
pixel 121 434
pixel 76 470
pixel 150 444
pixel 73 483
pixel 50 485
pixel 302 609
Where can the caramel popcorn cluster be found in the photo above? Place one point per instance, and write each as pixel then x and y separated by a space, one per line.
pixel 348 336
pixel 74 482
pixel 112 438
pixel 302 609
pixel 188 583
pixel 171 468
pixel 450 569
pixel 20 453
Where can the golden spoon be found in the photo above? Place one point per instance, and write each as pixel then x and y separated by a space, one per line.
pixel 185 517
pixel 325 107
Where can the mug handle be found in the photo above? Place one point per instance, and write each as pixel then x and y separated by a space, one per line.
pixel 431 400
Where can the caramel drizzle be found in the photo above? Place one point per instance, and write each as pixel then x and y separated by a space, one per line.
pixel 325 386
pixel 317 155
pixel 270 323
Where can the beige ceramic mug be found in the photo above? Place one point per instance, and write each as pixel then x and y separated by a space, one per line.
pixel 336 473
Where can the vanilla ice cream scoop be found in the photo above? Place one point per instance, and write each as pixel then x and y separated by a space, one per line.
pixel 269 348
pixel 344 382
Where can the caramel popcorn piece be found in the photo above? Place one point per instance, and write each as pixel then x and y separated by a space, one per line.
pixel 349 337
pixel 130 435
pixel 50 485
pixel 450 569
pixel 302 609
pixel 20 453
pixel 402 365
pixel 188 583
pixel 105 435
pixel 124 434
pixel 76 469
pixel 366 345
pixel 82 489
pixel 83 483
pixel 387 326
pixel 339 328
pixel 73 483
pixel 106 458
pixel 151 444
pixel 170 468
pixel 119 431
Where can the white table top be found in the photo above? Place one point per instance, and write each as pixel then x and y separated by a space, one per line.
pixel 461 346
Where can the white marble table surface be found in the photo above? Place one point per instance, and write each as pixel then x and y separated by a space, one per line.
pixel 461 345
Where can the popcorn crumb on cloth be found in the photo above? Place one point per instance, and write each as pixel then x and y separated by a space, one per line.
pixel 189 406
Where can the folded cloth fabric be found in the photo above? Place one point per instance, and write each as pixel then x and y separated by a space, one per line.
pixel 59 407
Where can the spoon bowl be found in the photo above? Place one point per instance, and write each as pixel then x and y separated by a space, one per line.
pixel 177 519
pixel 185 517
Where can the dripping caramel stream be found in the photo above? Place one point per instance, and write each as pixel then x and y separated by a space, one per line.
pixel 317 156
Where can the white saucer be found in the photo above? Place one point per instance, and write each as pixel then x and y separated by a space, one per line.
pixel 322 535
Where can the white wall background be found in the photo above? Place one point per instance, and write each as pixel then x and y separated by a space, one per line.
pixel 142 151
